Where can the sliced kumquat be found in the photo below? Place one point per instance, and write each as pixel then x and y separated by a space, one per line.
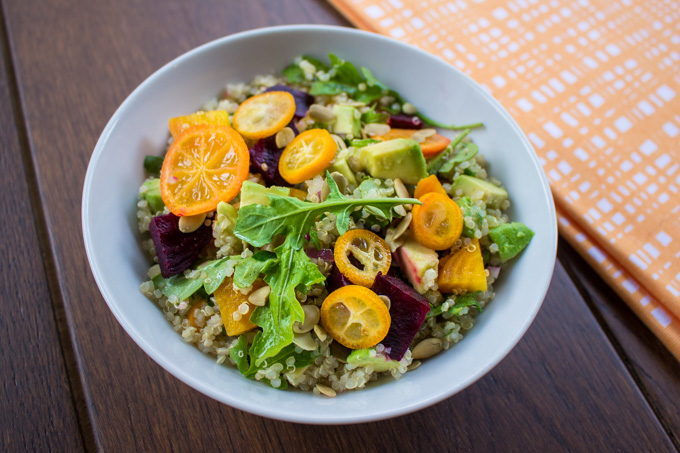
pixel 430 184
pixel 235 318
pixel 214 118
pixel 369 250
pixel 438 222
pixel 204 165
pixel 433 145
pixel 265 114
pixel 307 155
pixel 463 270
pixel 355 317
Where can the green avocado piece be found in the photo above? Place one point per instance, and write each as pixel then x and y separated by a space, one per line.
pixel 341 166
pixel 398 158
pixel 369 356
pixel 471 211
pixel 347 121
pixel 493 195
pixel 511 239
pixel 254 193
pixel 153 194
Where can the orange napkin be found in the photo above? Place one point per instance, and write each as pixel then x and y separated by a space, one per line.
pixel 594 84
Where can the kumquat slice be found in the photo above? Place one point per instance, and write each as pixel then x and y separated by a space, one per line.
pixel 438 222
pixel 355 317
pixel 204 165
pixel 429 185
pixel 307 155
pixel 431 146
pixel 370 252
pixel 265 114
pixel 179 124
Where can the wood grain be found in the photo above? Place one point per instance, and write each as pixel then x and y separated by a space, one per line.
pixel 37 409
pixel 563 388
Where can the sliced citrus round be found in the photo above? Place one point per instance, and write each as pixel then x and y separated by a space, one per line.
pixel 307 155
pixel 431 146
pixel 355 317
pixel 438 222
pixel 265 114
pixel 215 117
pixel 370 252
pixel 204 165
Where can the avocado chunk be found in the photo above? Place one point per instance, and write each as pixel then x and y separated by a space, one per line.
pixel 347 121
pixel 471 211
pixel 152 195
pixel 369 356
pixel 492 195
pixel 511 239
pixel 254 193
pixel 341 166
pixel 399 158
pixel 414 260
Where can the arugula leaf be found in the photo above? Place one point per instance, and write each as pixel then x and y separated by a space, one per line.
pixel 436 164
pixel 468 151
pixel 471 210
pixel 345 72
pixel 183 287
pixel 258 224
pixel 371 116
pixel 294 73
pixel 372 80
pixel 451 127
pixel 239 354
pixel 461 302
pixel 318 64
pixel 248 269
pixel 369 95
pixel 331 88
pixel 292 270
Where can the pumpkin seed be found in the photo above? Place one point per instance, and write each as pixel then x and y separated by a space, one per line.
pixel 191 223
pixel 284 136
pixel 427 348
pixel 320 113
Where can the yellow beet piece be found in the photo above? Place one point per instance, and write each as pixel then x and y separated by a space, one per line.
pixel 464 270
pixel 427 185
pixel 229 300
pixel 212 118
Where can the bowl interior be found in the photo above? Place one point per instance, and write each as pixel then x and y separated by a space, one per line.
pixel 139 128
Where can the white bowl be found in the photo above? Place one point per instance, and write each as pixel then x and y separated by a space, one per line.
pixel 140 127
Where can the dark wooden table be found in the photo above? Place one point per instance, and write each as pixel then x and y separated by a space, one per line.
pixel 587 376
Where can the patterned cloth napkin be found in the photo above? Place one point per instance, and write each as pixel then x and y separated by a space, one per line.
pixel 595 85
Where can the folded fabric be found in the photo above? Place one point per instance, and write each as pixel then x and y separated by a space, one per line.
pixel 595 86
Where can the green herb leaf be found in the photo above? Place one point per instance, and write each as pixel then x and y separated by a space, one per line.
pixel 473 211
pixel 331 89
pixel 451 127
pixel 153 165
pixel 371 80
pixel 371 116
pixel 436 164
pixel 248 269
pixel 461 302
pixel 467 152
pixel 183 287
pixel 293 270
pixel 239 354
pixel 318 64
pixel 294 73
pixel 345 72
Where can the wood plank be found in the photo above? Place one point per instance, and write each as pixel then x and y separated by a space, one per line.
pixel 653 367
pixel 563 388
pixel 38 409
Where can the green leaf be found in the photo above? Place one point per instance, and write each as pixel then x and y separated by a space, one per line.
pixel 369 95
pixel 183 287
pixel 318 64
pixel 467 152
pixel 302 359
pixel 451 127
pixel 371 80
pixel 331 88
pixel 217 272
pixel 239 354
pixel 371 116
pixel 361 142
pixel 436 164
pixel 294 74
pixel 293 270
pixel 461 302
pixel 258 224
pixel 473 211
pixel 345 72
pixel 248 269
pixel 153 165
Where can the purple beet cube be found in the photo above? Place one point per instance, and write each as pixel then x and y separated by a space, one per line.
pixel 176 251
pixel 302 99
pixel 323 254
pixel 336 280
pixel 264 159
pixel 401 121
pixel 408 310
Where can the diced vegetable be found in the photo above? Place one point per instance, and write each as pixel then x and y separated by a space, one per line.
pixel 414 260
pixel 430 184
pixel 407 309
pixel 336 280
pixel 401 121
pixel 230 302
pixel 176 251
pixel 511 239
pixel 471 211
pixel 323 254
pixel 431 146
pixel 464 270
pixel 153 165
pixel 264 159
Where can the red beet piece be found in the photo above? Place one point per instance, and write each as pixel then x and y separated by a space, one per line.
pixel 265 151
pixel 302 100
pixel 176 250
pixel 408 310
pixel 324 254
pixel 400 121
pixel 336 280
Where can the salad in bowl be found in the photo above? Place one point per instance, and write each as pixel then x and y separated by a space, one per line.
pixel 315 230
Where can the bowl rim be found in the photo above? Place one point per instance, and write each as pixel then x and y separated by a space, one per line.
pixel 266 411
